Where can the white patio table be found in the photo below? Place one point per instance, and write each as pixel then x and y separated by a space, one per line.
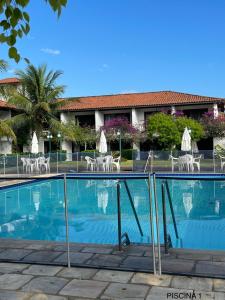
pixel 186 162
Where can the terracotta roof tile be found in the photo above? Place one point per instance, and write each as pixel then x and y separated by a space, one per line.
pixel 4 104
pixel 162 98
pixel 12 80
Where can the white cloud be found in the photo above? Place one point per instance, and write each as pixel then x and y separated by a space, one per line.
pixel 51 51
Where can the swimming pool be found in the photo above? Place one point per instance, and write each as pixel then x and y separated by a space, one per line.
pixel 35 211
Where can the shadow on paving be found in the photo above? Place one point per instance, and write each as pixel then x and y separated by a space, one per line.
pixel 132 258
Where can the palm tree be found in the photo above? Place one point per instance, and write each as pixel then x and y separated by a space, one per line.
pixel 36 100
pixel 3 65
pixel 5 129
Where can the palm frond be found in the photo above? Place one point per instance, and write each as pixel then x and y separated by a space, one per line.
pixel 21 102
pixel 3 65
pixel 18 121
pixel 6 131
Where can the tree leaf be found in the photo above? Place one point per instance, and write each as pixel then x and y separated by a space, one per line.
pixel 26 17
pixel 13 52
pixel 11 40
pixel 22 3
pixel 5 24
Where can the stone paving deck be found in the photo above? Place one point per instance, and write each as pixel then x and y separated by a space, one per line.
pixel 40 282
pixel 132 258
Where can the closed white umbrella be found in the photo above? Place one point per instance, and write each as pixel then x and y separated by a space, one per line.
pixel 186 141
pixel 34 144
pixel 194 147
pixel 102 143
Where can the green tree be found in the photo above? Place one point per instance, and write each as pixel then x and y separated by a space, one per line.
pixel 15 21
pixel 197 130
pixel 36 100
pixel 80 135
pixel 162 130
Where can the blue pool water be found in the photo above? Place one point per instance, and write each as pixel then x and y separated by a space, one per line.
pixel 36 211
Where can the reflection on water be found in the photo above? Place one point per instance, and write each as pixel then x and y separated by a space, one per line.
pixel 36 211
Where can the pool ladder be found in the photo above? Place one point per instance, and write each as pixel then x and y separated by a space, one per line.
pixel 167 238
pixel 123 239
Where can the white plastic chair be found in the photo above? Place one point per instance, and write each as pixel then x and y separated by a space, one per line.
pixel 174 162
pixel 91 162
pixel 186 162
pixel 30 165
pixel 116 162
pixel 108 163
pixel 196 161
pixel 46 164
pixel 222 161
pixel 24 162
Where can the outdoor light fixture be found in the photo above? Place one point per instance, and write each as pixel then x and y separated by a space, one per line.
pixel 49 137
pixel 59 136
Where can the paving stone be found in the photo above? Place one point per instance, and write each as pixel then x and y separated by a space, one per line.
pixel 209 295
pixel 64 248
pixel 42 270
pixel 218 258
pixel 12 244
pixel 163 293
pixel 76 258
pixel 12 267
pixel 219 285
pixel 113 276
pixel 13 281
pixel 105 260
pixel 84 288
pixel 34 247
pixel 134 251
pixel 206 268
pixel 195 256
pixel 49 285
pixel 181 266
pixel 14 254
pixel 125 290
pixel 77 273
pixel 10 295
pixel 138 263
pixel 195 283
pixel 42 256
pixel 41 296
pixel 98 250
pixel 151 279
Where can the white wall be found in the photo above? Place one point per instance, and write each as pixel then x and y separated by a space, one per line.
pixel 5 144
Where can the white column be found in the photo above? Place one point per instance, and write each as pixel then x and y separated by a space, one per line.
pixel 138 118
pixel 99 122
pixel 5 143
pixel 41 147
pixel 173 110
pixel 215 111
pixel 5 146
pixel 66 145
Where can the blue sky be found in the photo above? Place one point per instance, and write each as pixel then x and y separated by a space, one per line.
pixel 119 46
